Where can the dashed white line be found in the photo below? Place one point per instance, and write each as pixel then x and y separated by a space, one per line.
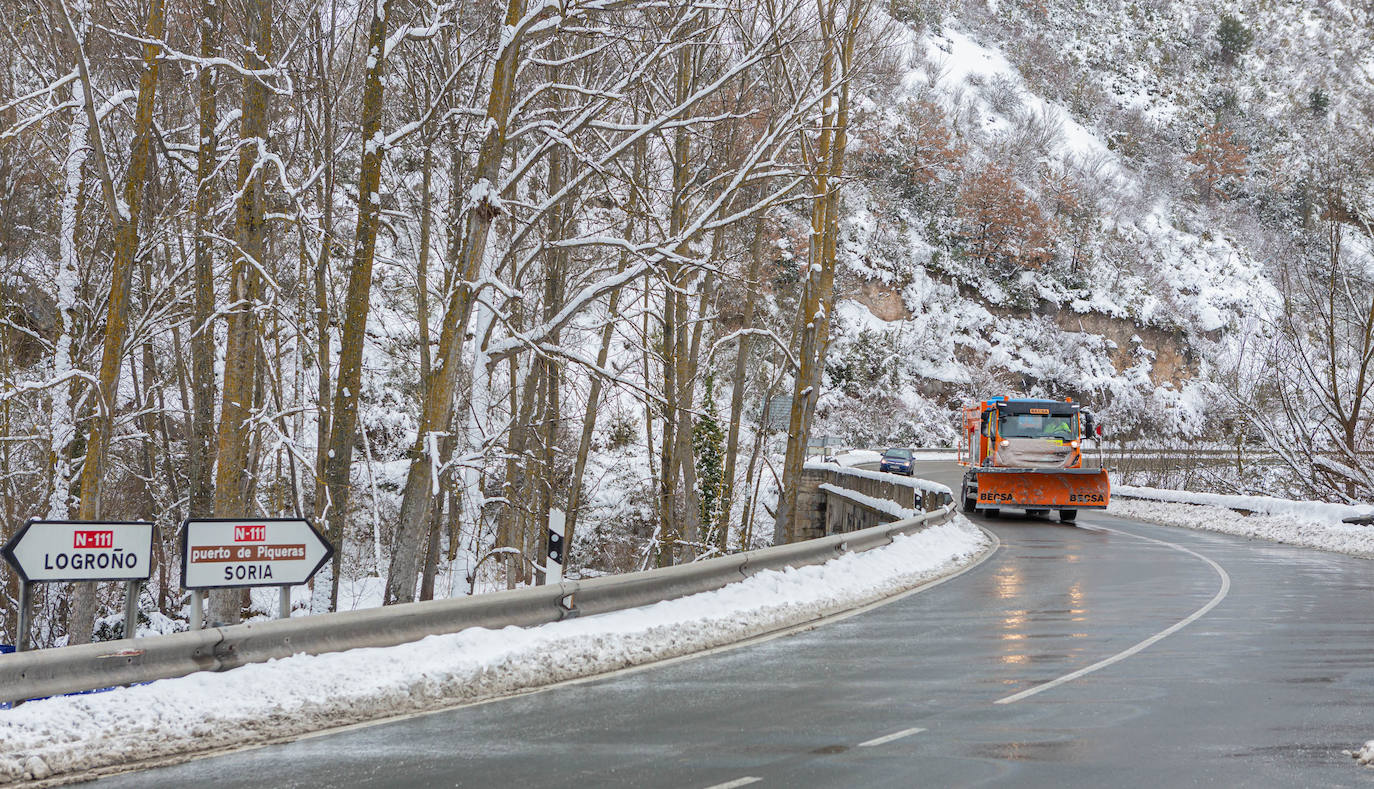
pixel 735 783
pixel 1120 656
pixel 887 738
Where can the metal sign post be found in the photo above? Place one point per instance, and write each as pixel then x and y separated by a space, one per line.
pixel 131 609
pixel 75 551
pixel 21 642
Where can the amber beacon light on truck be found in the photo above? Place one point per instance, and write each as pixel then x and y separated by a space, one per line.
pixel 1027 453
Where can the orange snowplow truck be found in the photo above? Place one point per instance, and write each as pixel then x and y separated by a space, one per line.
pixel 1028 453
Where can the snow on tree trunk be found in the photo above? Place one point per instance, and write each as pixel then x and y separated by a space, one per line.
pixel 200 501
pixel 484 205
pixel 344 414
pixel 233 472
pixel 63 420
pixel 125 217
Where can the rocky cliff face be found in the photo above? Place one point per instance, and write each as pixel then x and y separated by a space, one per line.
pixel 1092 219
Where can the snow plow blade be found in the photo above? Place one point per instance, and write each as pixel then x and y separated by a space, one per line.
pixel 1049 490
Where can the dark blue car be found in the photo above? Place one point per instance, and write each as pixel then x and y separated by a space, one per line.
pixel 897 460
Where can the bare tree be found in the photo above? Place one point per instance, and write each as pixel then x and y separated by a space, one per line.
pixel 813 318
pixel 124 216
pixel 202 451
pixel 1320 369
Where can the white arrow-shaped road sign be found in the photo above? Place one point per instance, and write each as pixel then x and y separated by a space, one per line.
pixel 225 552
pixel 46 551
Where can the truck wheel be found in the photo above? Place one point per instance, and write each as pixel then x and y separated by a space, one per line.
pixel 1068 516
pixel 969 502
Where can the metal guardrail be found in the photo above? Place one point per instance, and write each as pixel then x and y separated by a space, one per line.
pixel 40 673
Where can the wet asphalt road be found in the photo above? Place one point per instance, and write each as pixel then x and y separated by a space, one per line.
pixel 1266 689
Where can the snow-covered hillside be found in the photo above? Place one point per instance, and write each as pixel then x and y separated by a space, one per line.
pixel 1133 280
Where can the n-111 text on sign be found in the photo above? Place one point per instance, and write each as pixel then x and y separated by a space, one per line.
pixel 54 551
pixel 228 552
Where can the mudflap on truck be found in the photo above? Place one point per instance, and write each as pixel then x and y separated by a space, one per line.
pixel 1061 489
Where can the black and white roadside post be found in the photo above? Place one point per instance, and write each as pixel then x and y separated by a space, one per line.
pixel 224 553
pixel 558 550
pixel 76 551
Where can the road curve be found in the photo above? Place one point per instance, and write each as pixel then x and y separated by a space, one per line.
pixel 1121 653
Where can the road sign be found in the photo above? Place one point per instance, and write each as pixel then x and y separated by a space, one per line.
pixel 45 551
pixel 228 552
pixel 779 412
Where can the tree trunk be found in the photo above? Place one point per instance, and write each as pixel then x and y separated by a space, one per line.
pixel 233 463
pixel 669 529
pixel 126 220
pixel 677 524
pixel 436 529
pixel 431 566
pixel 554 265
pixel 63 417
pixel 202 449
pixel 344 415
pixel 325 591
pixel 727 497
pixel 584 445
pixel 805 388
pixel 418 495
pixel 513 512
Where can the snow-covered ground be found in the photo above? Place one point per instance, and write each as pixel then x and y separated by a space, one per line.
pixel 1310 524
pixel 304 693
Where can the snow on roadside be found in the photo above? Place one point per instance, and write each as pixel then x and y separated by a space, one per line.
pixel 1307 524
pixel 305 693
pixel 1317 511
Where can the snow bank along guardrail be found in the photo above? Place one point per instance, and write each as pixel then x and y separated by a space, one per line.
pixel 1339 528
pixel 1315 511
pixel 896 505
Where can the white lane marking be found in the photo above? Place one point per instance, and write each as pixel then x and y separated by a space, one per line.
pixel 737 782
pixel 1120 656
pixel 167 761
pixel 887 738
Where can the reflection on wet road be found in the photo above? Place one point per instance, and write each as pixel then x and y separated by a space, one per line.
pixel 1222 591
pixel 1264 689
